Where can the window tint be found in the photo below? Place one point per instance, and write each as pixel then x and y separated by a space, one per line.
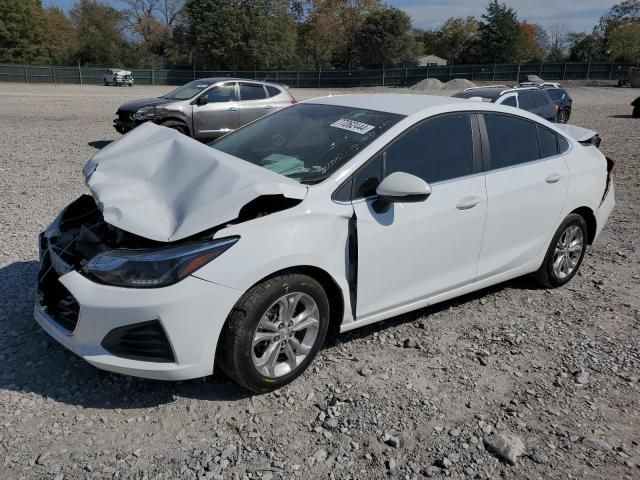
pixel 556 95
pixel 563 144
pixel 436 150
pixel 511 140
pixel 527 100
pixel 273 91
pixel 252 92
pixel 223 93
pixel 367 179
pixel 510 101
pixel 548 142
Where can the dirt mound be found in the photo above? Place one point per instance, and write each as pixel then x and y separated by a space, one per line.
pixel 428 84
pixel 458 84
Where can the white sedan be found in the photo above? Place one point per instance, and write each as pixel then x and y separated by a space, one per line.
pixel 328 215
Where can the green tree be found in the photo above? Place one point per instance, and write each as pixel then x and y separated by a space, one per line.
pixel 530 46
pixel 61 37
pixel 100 32
pixel 385 39
pixel 624 43
pixel 499 34
pixel 22 32
pixel 454 38
pixel 585 47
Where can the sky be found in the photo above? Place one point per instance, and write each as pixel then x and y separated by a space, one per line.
pixel 579 15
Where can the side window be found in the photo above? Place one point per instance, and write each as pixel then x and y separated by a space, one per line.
pixel 511 140
pixel 435 150
pixel 222 93
pixel 563 144
pixel 272 91
pixel 249 91
pixel 527 100
pixel 367 179
pixel 510 101
pixel 548 142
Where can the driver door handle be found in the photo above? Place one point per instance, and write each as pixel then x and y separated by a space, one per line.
pixel 268 107
pixel 553 178
pixel 468 202
pixel 233 109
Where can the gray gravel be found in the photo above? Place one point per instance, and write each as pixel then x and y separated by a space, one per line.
pixel 556 370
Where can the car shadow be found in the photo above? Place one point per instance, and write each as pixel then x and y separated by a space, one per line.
pixel 35 363
pixel 620 116
pixel 521 283
pixel 99 144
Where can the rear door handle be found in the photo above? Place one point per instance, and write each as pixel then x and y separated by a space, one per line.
pixel 232 109
pixel 468 202
pixel 268 107
pixel 553 178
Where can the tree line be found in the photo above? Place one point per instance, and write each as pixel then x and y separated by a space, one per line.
pixel 294 34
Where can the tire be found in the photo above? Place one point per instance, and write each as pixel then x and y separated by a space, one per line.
pixel 551 277
pixel 245 359
pixel 636 112
pixel 563 116
pixel 178 126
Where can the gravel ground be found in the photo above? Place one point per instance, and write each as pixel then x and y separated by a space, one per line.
pixel 412 397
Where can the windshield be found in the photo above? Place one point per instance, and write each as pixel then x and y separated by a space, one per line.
pixel 307 142
pixel 187 91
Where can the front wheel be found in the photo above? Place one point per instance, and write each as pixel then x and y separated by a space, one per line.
pixel 274 332
pixel 180 127
pixel 565 254
pixel 563 116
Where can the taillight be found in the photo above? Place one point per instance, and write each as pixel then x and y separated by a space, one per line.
pixel 557 107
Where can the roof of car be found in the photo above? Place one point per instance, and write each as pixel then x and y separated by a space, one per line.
pixel 402 104
pixel 213 80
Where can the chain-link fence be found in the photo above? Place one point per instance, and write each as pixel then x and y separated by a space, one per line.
pixel 328 78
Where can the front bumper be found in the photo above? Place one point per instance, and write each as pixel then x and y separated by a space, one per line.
pixel 191 312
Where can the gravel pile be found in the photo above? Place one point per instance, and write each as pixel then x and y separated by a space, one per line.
pixel 512 382
pixel 458 84
pixel 428 84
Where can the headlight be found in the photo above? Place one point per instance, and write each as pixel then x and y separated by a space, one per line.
pixel 154 268
pixel 144 113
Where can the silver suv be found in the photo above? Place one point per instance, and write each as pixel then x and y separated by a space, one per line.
pixel 208 108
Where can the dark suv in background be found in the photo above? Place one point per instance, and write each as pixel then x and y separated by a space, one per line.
pixel 532 99
pixel 208 108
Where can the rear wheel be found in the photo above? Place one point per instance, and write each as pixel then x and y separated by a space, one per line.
pixel 274 332
pixel 565 254
pixel 563 116
pixel 178 126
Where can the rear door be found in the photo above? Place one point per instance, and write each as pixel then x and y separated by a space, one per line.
pixel 527 182
pixel 254 102
pixel 219 115
pixel 410 251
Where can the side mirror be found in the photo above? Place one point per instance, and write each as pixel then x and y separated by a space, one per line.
pixel 403 187
pixel 202 99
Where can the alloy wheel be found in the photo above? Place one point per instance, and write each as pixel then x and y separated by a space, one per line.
pixel 285 335
pixel 568 251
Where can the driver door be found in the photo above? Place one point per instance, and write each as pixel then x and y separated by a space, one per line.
pixel 410 251
pixel 219 115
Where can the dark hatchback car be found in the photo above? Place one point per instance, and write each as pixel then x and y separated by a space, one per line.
pixel 531 99
pixel 563 101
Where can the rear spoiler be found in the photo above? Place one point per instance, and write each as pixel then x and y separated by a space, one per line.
pixel 583 135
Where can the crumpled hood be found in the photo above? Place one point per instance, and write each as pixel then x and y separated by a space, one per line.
pixel 145 102
pixel 159 184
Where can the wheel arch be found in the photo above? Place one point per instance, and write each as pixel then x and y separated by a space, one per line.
pixel 328 283
pixel 590 218
pixel 182 121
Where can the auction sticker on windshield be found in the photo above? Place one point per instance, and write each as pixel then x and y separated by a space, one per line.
pixel 352 126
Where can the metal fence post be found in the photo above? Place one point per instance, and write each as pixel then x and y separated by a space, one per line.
pixel 26 77
pixel 427 71
pixel 79 73
pixel 564 71
pixel 518 73
pixel 588 69
pixel 383 75
pixel 541 64
pixel 153 77
pixel 53 74
pixel 298 78
pixel 450 71
pixel 611 72
pixel 493 78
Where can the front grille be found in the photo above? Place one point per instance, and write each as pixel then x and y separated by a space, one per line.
pixel 55 298
pixel 144 341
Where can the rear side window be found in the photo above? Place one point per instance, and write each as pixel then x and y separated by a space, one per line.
pixel 250 91
pixel 510 101
pixel 435 150
pixel 511 140
pixel 527 100
pixel 273 91
pixel 548 142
